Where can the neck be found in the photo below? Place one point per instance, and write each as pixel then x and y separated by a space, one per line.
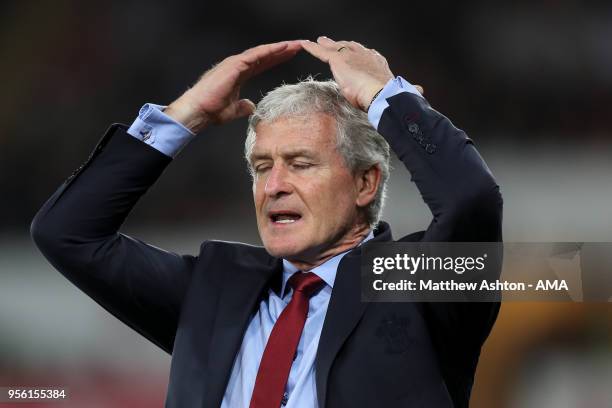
pixel 348 241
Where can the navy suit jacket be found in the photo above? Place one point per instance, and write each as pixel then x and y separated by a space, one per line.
pixel 198 307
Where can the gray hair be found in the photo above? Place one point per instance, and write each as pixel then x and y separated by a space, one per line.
pixel 359 144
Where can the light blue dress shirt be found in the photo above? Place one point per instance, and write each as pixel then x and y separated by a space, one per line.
pixel 161 132
pixel 301 391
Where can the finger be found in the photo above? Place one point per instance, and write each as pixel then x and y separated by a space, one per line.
pixel 420 89
pixel 256 55
pixel 295 45
pixel 251 55
pixel 265 54
pixel 347 44
pixel 264 57
pixel 270 61
pixel 357 46
pixel 238 109
pixel 328 43
pixel 343 46
pixel 244 107
pixel 317 50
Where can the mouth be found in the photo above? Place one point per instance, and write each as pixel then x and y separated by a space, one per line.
pixel 282 218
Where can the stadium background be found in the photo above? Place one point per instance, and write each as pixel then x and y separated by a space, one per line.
pixel 530 82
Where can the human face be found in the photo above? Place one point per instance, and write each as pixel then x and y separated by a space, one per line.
pixel 305 196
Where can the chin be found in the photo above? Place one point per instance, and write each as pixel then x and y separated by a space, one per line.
pixel 283 249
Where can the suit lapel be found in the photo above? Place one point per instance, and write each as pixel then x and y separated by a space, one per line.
pixel 236 303
pixel 343 313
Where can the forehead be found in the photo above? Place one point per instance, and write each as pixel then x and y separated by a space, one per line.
pixel 315 132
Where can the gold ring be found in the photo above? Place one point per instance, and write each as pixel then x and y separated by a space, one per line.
pixel 341 48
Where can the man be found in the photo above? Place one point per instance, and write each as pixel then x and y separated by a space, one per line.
pixel 283 324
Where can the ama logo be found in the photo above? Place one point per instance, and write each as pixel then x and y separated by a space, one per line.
pixel 551 285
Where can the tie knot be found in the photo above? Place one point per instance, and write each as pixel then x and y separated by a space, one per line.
pixel 307 283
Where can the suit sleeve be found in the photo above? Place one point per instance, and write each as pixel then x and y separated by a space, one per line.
pixel 466 205
pixel 452 177
pixel 77 231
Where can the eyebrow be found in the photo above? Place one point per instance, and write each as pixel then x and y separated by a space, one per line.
pixel 288 154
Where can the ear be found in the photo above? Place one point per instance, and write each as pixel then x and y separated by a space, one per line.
pixel 367 183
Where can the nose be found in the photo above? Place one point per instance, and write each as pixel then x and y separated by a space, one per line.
pixel 277 182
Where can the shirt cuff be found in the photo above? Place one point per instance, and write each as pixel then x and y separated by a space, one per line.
pixel 160 131
pixel 392 88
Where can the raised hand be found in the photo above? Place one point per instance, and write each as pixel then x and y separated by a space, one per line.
pixel 359 71
pixel 215 98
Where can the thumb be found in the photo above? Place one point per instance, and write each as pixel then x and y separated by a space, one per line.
pixel 244 107
pixel 238 109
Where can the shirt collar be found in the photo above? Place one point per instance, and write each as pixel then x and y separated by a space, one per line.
pixel 326 271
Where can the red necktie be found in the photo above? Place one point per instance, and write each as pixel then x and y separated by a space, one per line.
pixel 281 346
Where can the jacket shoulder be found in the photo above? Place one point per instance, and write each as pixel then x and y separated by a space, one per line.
pixel 414 237
pixel 236 253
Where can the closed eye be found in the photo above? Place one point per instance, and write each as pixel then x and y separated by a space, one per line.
pixel 301 165
pixel 261 167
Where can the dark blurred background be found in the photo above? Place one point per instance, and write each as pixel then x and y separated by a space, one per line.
pixel 529 81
